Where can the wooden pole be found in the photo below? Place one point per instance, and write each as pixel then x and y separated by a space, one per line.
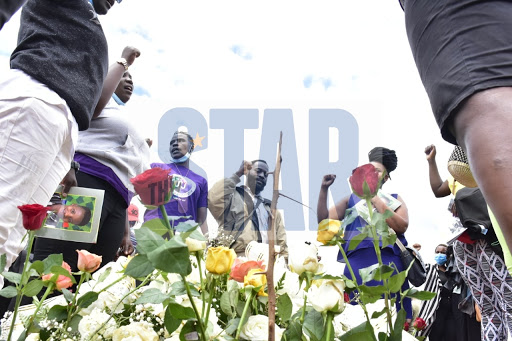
pixel 271 247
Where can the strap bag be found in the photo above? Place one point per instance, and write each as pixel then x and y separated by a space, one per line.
pixel 418 272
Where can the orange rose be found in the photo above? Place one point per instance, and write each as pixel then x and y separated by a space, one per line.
pixel 241 268
pixel 88 262
pixel 62 281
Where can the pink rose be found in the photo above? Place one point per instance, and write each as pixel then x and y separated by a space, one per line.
pixel 62 281
pixel 240 269
pixel 419 323
pixel 88 262
pixel 153 186
pixel 365 181
pixel 33 216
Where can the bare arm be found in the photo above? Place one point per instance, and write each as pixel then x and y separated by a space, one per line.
pixel 115 72
pixel 336 212
pixel 201 219
pixel 399 221
pixel 439 187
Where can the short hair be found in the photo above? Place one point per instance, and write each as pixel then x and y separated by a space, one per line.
pixel 446 246
pixel 263 161
pixel 190 139
pixel 87 216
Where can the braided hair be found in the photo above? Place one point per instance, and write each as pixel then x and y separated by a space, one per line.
pixel 385 156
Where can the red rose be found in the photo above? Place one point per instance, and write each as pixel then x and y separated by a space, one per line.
pixel 365 181
pixel 153 186
pixel 419 323
pixel 406 326
pixel 33 216
pixel 346 297
pixel 240 269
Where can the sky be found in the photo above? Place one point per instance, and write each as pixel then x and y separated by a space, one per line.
pixel 350 58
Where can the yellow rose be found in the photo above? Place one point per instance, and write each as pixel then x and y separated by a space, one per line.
pixel 256 280
pixel 327 229
pixel 219 260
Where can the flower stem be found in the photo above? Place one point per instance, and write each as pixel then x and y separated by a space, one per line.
pixel 49 289
pixel 328 326
pixel 166 220
pixel 70 311
pixel 199 320
pixel 20 287
pixel 303 314
pixel 210 299
pixel 202 283
pixel 244 313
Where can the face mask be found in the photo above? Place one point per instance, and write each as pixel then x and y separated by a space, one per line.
pixel 117 99
pixel 440 258
pixel 181 159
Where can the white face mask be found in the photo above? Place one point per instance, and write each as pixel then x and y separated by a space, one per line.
pixel 181 159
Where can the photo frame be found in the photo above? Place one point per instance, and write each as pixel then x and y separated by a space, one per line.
pixel 74 218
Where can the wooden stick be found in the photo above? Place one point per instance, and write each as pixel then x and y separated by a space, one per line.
pixel 271 247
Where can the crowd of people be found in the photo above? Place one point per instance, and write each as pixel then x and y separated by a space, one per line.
pixel 60 81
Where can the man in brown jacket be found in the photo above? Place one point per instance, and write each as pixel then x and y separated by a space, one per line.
pixel 242 212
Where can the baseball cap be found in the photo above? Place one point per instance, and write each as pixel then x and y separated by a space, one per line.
pixel 133 213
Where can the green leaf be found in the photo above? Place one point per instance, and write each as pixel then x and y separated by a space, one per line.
pixel 356 240
pixel 87 299
pixel 376 314
pixel 68 295
pixel 171 323
pixel 383 272
pixel 186 226
pixel 51 261
pixel 383 336
pixel 75 321
pixel 33 288
pixel 395 282
pixel 38 266
pixel 189 332
pixel 314 325
pixel 180 312
pixel 284 307
pixel 368 273
pixel 370 294
pixel 104 275
pixel 420 295
pixel 228 302
pixel 58 313
pixel 3 262
pixel 363 332
pixel 293 332
pixel 139 267
pixel 12 277
pixel 156 225
pixel 147 240
pixel 9 292
pixel 59 270
pixel 396 335
pixel 152 295
pixel 172 257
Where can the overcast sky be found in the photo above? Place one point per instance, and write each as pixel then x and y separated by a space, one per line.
pixel 297 55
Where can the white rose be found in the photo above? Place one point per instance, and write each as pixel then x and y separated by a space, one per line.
pixel 195 245
pixel 137 331
pixel 33 337
pixel 90 323
pixel 304 259
pixel 325 294
pixel 256 329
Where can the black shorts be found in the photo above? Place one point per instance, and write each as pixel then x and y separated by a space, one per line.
pixel 460 47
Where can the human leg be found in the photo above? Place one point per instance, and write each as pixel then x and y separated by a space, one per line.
pixel 35 153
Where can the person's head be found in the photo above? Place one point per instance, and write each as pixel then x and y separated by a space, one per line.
pixel 257 176
pixel 181 146
pixel 124 89
pixel 441 254
pixel 133 214
pixel 384 160
pixel 101 7
pixel 75 214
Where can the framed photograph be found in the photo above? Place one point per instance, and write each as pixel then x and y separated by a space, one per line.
pixel 74 218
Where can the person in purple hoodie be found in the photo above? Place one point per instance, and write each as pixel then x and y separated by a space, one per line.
pixel 190 197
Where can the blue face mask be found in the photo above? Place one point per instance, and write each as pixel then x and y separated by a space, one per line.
pixel 181 159
pixel 440 258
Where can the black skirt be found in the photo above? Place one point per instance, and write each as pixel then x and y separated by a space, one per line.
pixel 460 47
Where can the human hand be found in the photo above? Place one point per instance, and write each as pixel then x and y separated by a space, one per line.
pixel 126 248
pixel 431 152
pixel 149 142
pixel 68 181
pixel 130 53
pixel 328 180
pixel 244 169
